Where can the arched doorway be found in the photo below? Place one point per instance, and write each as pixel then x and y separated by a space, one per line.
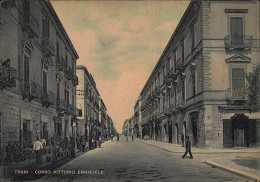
pixel 170 131
pixel 176 133
pixel 194 128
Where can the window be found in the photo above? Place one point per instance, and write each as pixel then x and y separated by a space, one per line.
pixel 26 72
pixel 66 60
pixel 174 60
pixel 193 82
pixel 44 79
pixel 183 89
pixel 67 96
pixel 26 11
pixel 238 78
pixel 45 28
pixel 236 30
pixel 57 49
pixel 182 51
pixel 192 37
pixel 58 93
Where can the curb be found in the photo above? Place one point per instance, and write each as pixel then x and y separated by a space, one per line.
pixel 217 165
pixel 194 152
pixel 232 170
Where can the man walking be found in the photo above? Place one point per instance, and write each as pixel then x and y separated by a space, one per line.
pixel 37 146
pixel 188 148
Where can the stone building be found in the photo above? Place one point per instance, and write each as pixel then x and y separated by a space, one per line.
pixel 94 118
pixel 37 74
pixel 198 86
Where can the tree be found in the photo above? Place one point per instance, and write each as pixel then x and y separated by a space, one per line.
pixel 253 84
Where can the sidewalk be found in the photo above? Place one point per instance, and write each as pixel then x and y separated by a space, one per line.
pixel 8 171
pixel 241 161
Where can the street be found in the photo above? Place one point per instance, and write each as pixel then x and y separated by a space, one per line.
pixel 135 161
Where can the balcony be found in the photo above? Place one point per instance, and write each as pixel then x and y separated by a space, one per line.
pixel 48 99
pixel 31 90
pixel 60 62
pixel 75 80
pixel 238 43
pixel 179 64
pixel 30 25
pixel 236 96
pixel 8 76
pixel 61 105
pixel 180 104
pixel 47 46
pixel 71 109
pixel 68 73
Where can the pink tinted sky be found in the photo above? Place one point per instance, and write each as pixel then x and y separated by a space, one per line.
pixel 119 42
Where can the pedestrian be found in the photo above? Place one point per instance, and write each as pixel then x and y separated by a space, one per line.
pixel 37 147
pixel 99 141
pixel 72 147
pixel 118 138
pixel 188 148
pixel 16 152
pixel 132 137
pixel 9 154
pixel 127 138
pixel 90 142
pixel 83 144
pixel 182 139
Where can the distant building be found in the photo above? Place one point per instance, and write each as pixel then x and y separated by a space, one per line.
pixel 37 74
pixel 198 87
pixel 94 120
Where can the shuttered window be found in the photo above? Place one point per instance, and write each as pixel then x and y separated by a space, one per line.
pixel 238 78
pixel 45 28
pixel 44 81
pixel 236 30
pixel 26 72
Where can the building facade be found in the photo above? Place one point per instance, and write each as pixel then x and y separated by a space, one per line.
pixel 94 120
pixel 199 85
pixel 37 74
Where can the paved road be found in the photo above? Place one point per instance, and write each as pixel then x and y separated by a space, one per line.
pixel 135 161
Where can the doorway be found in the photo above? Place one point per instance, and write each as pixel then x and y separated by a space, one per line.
pixel 239 140
pixel 170 131
pixel 176 133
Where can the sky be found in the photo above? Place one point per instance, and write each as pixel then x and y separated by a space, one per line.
pixel 120 43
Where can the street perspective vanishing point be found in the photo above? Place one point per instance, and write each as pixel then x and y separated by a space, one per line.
pixel 126 91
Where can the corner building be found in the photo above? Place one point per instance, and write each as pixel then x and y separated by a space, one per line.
pixel 198 86
pixel 37 74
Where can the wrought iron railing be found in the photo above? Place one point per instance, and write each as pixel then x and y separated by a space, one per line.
pixel 60 62
pixel 236 94
pixel 8 76
pixel 238 42
pixel 47 46
pixel 75 80
pixel 61 105
pixel 48 98
pixel 30 24
pixel 31 90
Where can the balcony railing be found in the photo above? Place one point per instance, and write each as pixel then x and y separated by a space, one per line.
pixel 8 76
pixel 61 105
pixel 48 98
pixel 31 90
pixel 179 64
pixel 47 46
pixel 75 80
pixel 236 94
pixel 68 73
pixel 238 42
pixel 30 24
pixel 180 104
pixel 60 62
pixel 71 109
